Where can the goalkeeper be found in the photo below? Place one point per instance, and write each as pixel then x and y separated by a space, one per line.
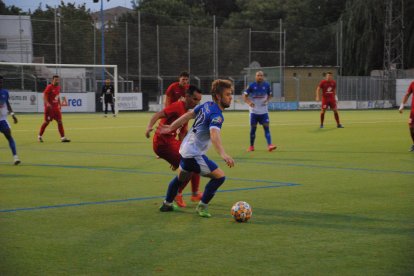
pixel 108 96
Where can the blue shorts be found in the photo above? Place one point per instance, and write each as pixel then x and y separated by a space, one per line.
pixel 259 118
pixel 199 164
pixel 4 126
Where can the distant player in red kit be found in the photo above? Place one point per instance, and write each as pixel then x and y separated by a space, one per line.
pixel 176 90
pixel 166 146
pixel 52 109
pixel 329 99
pixel 410 91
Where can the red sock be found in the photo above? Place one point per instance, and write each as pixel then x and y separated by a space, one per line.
pixel 337 118
pixel 322 117
pixel 195 182
pixel 61 130
pixel 43 127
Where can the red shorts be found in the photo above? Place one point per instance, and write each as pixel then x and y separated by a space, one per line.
pixel 328 102
pixel 53 113
pixel 411 119
pixel 168 149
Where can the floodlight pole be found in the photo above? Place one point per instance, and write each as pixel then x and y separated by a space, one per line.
pixel 102 42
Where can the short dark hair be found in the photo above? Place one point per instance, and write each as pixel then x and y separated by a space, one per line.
pixel 192 89
pixel 55 76
pixel 328 73
pixel 184 74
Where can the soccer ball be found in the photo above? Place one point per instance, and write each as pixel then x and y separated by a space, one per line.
pixel 241 211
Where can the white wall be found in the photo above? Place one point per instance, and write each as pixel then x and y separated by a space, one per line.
pixel 402 86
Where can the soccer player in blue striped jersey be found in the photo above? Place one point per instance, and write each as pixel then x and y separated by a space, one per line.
pixel 257 96
pixel 204 132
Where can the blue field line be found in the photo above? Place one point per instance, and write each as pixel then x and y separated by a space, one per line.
pixel 252 162
pixel 276 184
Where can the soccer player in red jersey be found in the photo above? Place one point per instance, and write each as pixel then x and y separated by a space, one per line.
pixel 166 146
pixel 52 109
pixel 328 86
pixel 410 91
pixel 176 90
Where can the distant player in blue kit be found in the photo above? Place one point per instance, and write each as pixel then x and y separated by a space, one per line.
pixel 5 108
pixel 205 131
pixel 257 96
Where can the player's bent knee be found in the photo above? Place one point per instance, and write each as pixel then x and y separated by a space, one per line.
pixel 217 173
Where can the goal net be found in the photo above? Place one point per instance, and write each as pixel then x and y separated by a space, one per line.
pixel 81 85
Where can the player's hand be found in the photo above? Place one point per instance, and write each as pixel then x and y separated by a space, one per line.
pixel 401 109
pixel 229 161
pixel 148 132
pixel 14 118
pixel 251 104
pixel 265 103
pixel 173 168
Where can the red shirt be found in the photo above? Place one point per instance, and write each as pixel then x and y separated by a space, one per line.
pixel 410 91
pixel 52 93
pixel 175 91
pixel 328 88
pixel 172 113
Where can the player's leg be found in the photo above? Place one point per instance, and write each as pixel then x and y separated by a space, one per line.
pixel 195 187
pixel 106 105
pixel 209 169
pixel 112 107
pixel 336 114
pixel 5 129
pixel 176 182
pixel 264 121
pixel 58 118
pixel 47 120
pixel 253 127
pixel 411 128
pixel 169 152
pixel 323 110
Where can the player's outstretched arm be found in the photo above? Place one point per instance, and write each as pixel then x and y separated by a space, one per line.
pixel 178 123
pixel 153 120
pixel 216 141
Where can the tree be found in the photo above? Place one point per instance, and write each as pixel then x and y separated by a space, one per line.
pixel 76 33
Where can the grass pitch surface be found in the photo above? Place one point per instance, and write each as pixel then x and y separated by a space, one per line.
pixel 326 202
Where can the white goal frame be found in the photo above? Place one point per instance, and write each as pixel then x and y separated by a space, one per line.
pixel 57 66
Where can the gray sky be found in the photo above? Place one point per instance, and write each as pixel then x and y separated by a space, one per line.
pixel 25 5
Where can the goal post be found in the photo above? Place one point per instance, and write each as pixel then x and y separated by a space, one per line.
pixel 81 85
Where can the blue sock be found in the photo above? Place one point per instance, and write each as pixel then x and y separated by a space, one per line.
pixel 252 135
pixel 211 188
pixel 267 134
pixel 12 145
pixel 173 189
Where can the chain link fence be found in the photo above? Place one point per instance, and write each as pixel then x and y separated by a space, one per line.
pixel 150 57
